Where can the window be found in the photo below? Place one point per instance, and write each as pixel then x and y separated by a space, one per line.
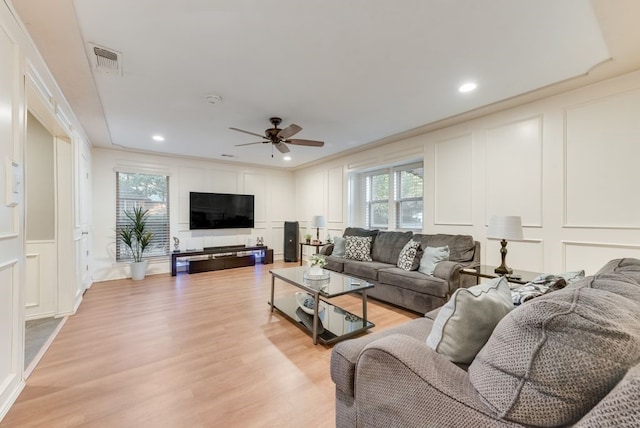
pixel 377 191
pixel 393 198
pixel 151 192
pixel 408 198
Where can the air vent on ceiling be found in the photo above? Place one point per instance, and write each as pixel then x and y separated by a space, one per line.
pixel 106 60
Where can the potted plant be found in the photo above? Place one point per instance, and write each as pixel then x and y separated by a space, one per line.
pixel 136 238
pixel 316 263
pixel 307 238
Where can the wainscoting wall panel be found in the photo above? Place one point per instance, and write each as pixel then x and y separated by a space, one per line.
pixel 591 256
pixel 514 170
pixel 453 181
pixel 335 195
pixel 601 162
pixel 282 206
pixel 524 255
pixel 190 181
pixel 256 184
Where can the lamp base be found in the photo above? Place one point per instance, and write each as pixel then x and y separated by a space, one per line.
pixel 503 270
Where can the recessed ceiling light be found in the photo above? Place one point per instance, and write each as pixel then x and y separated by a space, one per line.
pixel 158 138
pixel 287 158
pixel 468 87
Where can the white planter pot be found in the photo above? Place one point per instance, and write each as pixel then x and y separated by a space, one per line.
pixel 315 270
pixel 138 270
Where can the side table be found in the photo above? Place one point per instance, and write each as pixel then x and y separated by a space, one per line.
pixel 485 271
pixel 304 244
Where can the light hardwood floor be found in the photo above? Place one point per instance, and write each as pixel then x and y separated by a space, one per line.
pixel 198 350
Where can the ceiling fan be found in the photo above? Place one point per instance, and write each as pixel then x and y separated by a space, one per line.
pixel 278 137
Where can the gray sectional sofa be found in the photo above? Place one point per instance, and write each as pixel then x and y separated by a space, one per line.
pixel 568 358
pixel 412 290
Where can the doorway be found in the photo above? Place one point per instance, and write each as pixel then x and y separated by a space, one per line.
pixel 48 235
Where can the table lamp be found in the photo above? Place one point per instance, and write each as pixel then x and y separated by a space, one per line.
pixel 504 228
pixel 317 221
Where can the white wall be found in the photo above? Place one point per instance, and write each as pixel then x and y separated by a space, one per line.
pixel 274 204
pixel 26 82
pixel 567 164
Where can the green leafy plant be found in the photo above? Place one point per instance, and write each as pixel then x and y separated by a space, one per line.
pixel 135 235
pixel 307 237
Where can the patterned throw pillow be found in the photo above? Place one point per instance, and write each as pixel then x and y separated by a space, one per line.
pixel 358 248
pixel 408 255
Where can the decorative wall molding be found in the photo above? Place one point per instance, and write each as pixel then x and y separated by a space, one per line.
pixel 453 197
pixel 513 169
pixel 601 128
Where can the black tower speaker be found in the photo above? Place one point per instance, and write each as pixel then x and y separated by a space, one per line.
pixel 290 241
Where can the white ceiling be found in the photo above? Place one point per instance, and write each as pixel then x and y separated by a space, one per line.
pixel 349 73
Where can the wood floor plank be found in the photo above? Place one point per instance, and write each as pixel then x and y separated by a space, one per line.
pixel 198 350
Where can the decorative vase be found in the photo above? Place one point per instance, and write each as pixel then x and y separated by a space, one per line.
pixel 315 270
pixel 138 270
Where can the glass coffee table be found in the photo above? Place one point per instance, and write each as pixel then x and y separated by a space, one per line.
pixel 327 323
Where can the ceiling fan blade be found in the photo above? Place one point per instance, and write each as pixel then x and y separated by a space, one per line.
pixel 248 132
pixel 282 147
pixel 248 144
pixel 289 131
pixel 311 143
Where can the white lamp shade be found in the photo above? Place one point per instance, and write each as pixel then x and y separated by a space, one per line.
pixel 317 221
pixel 507 227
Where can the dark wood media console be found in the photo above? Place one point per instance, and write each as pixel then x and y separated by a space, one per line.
pixel 227 258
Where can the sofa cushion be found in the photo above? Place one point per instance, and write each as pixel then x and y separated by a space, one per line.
pixel 335 264
pixel 461 247
pixel 387 246
pixel 407 257
pixel 358 248
pixel 365 270
pixel 466 321
pixel 414 281
pixel 431 257
pixel 551 360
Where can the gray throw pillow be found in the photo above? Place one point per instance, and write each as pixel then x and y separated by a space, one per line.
pixel 339 244
pixel 551 360
pixel 358 248
pixel 466 321
pixel 431 257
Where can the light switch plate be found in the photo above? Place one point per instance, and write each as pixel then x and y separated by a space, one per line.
pixel 14 183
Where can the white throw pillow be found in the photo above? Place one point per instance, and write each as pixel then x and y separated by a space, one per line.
pixel 338 246
pixel 431 257
pixel 358 248
pixel 466 321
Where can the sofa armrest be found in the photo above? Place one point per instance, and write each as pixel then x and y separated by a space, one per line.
pixel 399 381
pixel 326 249
pixel 344 356
pixel 450 272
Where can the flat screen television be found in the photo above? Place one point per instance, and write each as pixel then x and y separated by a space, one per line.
pixel 220 211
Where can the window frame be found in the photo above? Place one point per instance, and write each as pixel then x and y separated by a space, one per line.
pixel 128 203
pixel 394 200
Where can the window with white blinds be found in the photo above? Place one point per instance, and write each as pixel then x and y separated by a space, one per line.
pixel 151 192
pixel 393 198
